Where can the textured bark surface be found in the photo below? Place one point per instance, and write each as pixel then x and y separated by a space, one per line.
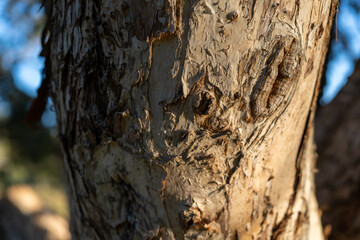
pixel 338 180
pixel 188 119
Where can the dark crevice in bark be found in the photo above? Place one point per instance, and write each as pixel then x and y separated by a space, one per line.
pixel 236 163
pixel 252 12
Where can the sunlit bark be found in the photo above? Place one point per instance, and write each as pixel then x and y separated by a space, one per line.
pixel 188 119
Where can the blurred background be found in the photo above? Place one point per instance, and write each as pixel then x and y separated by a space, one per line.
pixel 30 159
pixel 27 156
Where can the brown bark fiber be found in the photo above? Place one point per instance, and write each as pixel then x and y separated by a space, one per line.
pixel 188 119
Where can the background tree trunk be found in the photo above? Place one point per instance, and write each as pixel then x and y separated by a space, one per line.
pixel 338 180
pixel 188 119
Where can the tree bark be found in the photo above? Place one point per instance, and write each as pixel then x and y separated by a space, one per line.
pixel 338 141
pixel 188 119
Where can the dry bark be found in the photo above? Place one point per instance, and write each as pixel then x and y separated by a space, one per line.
pixel 338 180
pixel 188 119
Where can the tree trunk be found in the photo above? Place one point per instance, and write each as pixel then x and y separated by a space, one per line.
pixel 338 180
pixel 188 119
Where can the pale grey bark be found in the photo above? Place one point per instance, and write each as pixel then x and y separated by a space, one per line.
pixel 188 119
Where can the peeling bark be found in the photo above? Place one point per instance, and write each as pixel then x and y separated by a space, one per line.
pixel 188 119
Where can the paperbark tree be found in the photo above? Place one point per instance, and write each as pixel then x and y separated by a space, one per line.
pixel 188 119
